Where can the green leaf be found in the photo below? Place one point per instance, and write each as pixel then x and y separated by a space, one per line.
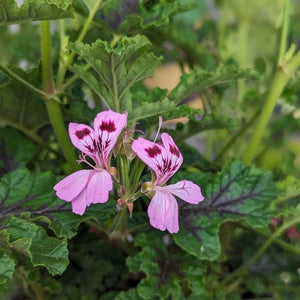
pixel 115 69
pixel 7 267
pixel 151 16
pixel 36 10
pixel 65 224
pixel 21 192
pixel 131 294
pixel 20 187
pixel 19 107
pixel 238 193
pixel 207 122
pixel 146 110
pixel 11 141
pixel 165 271
pixel 33 241
pixel 198 80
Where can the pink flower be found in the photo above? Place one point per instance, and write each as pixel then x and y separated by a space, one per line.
pixel 92 186
pixel 165 160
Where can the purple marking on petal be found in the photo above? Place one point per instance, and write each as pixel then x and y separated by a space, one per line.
pixel 153 151
pixel 82 133
pixel 108 126
pixel 174 150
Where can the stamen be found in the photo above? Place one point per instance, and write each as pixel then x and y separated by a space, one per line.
pixel 82 159
pixel 160 121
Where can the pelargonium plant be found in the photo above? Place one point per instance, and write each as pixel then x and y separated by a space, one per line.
pixel 93 186
pixel 100 199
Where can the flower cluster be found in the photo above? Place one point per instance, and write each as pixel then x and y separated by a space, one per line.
pixel 92 186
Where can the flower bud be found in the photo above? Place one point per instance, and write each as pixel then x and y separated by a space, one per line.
pixel 146 187
pixel 115 173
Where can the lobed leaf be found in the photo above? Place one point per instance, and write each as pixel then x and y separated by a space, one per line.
pixel 238 193
pixel 36 10
pixel 115 69
pixel 207 122
pixel 165 272
pixel 7 267
pixel 198 80
pixel 33 241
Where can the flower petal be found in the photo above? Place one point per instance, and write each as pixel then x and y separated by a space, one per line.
pixel 83 138
pixel 163 160
pixel 79 204
pixel 174 158
pixel 187 191
pixel 163 211
pixel 98 187
pixel 108 126
pixel 71 186
pixel 150 153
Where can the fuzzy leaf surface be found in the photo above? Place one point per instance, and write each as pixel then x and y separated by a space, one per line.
pixel 7 267
pixel 198 80
pixel 33 241
pixel 207 122
pixel 36 10
pixel 19 107
pixel 115 69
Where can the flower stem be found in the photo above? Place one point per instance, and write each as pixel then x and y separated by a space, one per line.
pixel 64 63
pixel 53 107
pixel 119 225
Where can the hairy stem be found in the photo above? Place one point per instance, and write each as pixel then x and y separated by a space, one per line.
pixel 284 32
pixel 64 63
pixel 53 107
pixel 282 76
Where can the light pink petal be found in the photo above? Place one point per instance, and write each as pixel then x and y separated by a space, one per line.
pixel 163 211
pixel 163 160
pixel 187 191
pixel 98 187
pixel 71 186
pixel 150 153
pixel 79 203
pixel 108 126
pixel 174 158
pixel 83 138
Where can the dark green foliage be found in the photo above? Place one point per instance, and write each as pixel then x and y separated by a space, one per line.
pixel 242 241
pixel 238 193
pixel 29 11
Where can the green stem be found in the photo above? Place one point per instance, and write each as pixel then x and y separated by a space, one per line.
pixel 279 82
pixel 65 63
pixel 53 107
pixel 284 32
pixel 119 225
pixel 286 246
pixel 136 173
pixel 244 268
pixel 282 75
pixel 124 174
pixel 19 79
